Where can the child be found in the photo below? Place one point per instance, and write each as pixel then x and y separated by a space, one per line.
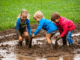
pixel 65 26
pixel 22 25
pixel 46 24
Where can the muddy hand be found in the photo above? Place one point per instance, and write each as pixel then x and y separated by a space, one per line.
pixel 30 41
pixel 58 37
pixel 50 43
pixel 56 44
pixel 33 36
pixel 30 34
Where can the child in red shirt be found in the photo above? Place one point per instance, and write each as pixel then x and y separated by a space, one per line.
pixel 65 26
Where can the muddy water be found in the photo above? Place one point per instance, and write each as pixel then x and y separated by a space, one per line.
pixel 69 57
pixel 75 34
pixel 13 56
pixel 7 51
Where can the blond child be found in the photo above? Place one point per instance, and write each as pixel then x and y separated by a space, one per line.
pixel 22 25
pixel 46 24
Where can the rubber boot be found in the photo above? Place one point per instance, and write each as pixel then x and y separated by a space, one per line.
pixel 30 42
pixel 71 46
pixel 64 40
pixel 26 42
pixel 20 43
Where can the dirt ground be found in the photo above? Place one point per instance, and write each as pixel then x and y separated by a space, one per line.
pixel 40 50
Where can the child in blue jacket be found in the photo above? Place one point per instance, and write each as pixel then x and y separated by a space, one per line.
pixel 46 24
pixel 22 25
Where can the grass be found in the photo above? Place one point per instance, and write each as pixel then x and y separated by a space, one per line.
pixel 10 9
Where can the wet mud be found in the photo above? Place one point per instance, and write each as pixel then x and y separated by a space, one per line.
pixel 40 48
pixel 46 50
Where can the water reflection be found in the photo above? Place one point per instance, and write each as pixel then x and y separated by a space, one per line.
pixel 69 57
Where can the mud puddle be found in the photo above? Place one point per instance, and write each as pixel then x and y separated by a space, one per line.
pixel 7 53
pixel 69 57
pixel 10 55
pixel 40 50
pixel 9 49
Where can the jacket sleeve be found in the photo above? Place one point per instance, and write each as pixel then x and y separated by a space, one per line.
pixel 17 27
pixel 39 27
pixel 60 30
pixel 65 30
pixel 28 26
pixel 17 24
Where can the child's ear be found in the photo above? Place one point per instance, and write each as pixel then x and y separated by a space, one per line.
pixel 58 17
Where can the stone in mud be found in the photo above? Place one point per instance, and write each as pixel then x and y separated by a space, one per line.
pixel 8 52
pixel 4 48
pixel 56 55
pixel 73 52
pixel 1 56
pixel 2 45
pixel 18 52
pixel 34 55
pixel 25 53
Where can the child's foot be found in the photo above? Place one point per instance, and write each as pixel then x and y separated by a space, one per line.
pixel 71 45
pixel 64 45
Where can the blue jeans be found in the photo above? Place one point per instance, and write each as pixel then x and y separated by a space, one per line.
pixel 68 36
pixel 53 32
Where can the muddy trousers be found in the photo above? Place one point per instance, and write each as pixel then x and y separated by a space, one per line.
pixel 69 38
pixel 64 40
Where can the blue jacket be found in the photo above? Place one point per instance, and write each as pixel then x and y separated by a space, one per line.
pixel 27 22
pixel 47 25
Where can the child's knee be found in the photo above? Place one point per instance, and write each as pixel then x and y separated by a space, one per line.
pixel 47 38
pixel 20 38
pixel 68 37
pixel 25 34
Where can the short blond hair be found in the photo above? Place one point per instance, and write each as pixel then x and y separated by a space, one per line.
pixel 38 14
pixel 24 11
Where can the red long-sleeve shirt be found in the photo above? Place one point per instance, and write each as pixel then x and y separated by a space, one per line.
pixel 64 26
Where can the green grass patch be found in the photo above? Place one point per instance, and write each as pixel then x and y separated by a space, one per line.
pixel 10 9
